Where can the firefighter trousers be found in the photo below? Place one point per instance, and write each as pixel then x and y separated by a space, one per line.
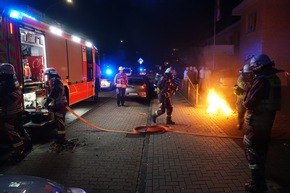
pixel 165 105
pixel 58 113
pixel 9 126
pixel 120 95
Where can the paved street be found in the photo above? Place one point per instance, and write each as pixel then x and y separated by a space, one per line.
pixel 202 154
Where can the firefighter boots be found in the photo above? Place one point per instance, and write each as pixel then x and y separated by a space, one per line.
pixel 154 117
pixel 258 183
pixel 253 188
pixel 169 121
pixel 17 156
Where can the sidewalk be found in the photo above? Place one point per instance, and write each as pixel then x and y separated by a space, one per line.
pixel 208 159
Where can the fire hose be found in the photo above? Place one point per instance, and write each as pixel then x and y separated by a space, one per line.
pixel 147 129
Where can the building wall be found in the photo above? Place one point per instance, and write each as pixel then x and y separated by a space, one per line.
pixel 250 41
pixel 270 35
pixel 276 34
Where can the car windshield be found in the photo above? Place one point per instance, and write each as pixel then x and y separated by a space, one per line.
pixel 135 81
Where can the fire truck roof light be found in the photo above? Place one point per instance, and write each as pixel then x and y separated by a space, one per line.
pixel 19 15
pixel 89 44
pixel 55 30
pixel 76 39
pixel 30 17
pixel 15 14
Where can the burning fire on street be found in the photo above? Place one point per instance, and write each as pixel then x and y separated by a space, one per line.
pixel 217 104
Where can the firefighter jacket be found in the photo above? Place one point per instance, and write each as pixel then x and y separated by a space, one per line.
pixel 10 96
pixel 243 84
pixel 56 92
pixel 166 86
pixel 262 101
pixel 265 92
pixel 121 80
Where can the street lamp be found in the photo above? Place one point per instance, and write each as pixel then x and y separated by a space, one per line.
pixel 54 4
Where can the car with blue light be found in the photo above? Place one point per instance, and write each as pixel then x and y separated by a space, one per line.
pixel 107 82
pixel 107 79
pixel 32 184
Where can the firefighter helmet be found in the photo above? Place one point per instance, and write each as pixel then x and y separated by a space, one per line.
pixel 260 61
pixel 168 71
pixel 8 77
pixel 51 72
pixel 6 68
pixel 247 68
pixel 248 57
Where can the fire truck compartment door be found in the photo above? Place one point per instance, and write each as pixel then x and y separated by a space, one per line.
pixel 57 54
pixel 75 62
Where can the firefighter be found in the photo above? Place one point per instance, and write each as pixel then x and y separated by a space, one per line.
pixel 56 102
pixel 165 90
pixel 243 83
pixel 11 109
pixel 120 82
pixel 262 100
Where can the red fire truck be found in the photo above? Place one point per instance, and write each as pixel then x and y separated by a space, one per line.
pixel 32 42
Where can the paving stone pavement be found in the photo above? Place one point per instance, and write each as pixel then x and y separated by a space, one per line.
pixel 203 157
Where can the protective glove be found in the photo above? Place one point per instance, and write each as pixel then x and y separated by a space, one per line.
pixel 48 100
pixel 238 90
pixel 46 104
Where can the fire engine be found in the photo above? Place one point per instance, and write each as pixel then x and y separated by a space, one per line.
pixel 32 42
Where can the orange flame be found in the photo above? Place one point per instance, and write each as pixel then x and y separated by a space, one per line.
pixel 217 104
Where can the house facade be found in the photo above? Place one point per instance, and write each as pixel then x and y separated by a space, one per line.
pixel 263 28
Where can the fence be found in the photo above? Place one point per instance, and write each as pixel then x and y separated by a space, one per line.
pixel 188 90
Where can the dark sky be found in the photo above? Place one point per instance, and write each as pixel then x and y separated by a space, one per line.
pixel 149 28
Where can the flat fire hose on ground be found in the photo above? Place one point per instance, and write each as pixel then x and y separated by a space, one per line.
pixel 148 129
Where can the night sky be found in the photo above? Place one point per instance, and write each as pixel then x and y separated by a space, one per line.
pixel 150 29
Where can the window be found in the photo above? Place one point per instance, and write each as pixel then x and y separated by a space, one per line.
pixel 252 22
pixel 90 75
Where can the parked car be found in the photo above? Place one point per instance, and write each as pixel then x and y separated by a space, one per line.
pixel 138 87
pixel 107 82
pixel 32 184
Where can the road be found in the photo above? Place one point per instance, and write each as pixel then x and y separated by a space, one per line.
pixel 83 107
pixel 198 155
